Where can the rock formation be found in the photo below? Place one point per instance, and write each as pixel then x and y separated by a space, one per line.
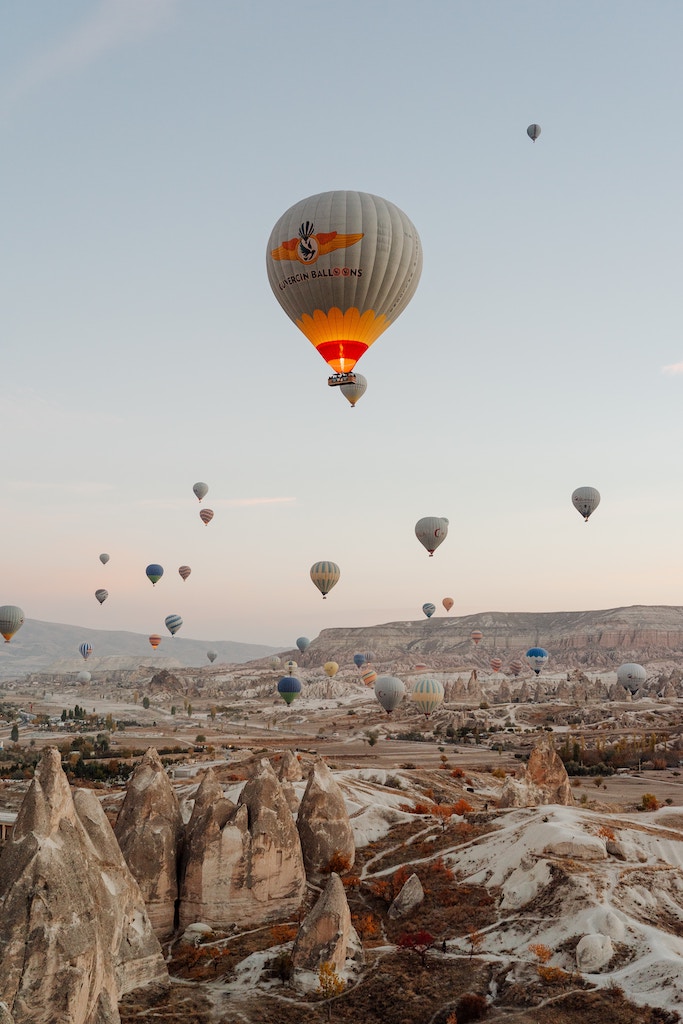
pixel 410 897
pixel 323 823
pixel 149 829
pixel 242 865
pixel 290 768
pixel 326 933
pixel 75 932
pixel 543 781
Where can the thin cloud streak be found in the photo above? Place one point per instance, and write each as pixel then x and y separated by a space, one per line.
pixel 113 24
pixel 672 369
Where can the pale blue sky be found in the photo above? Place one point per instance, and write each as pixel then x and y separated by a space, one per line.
pixel 148 148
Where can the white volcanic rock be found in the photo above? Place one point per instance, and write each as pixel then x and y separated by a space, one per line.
pixel 326 933
pixel 410 897
pixel 593 952
pixel 149 830
pixel 243 865
pixel 323 822
pixel 75 932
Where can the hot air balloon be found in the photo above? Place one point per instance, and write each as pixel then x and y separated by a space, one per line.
pixel 631 677
pixel 431 531
pixel 585 500
pixel 289 688
pixel 515 667
pixel 84 677
pixel 343 266
pixel 155 640
pixel 369 676
pixel 86 650
pixel 201 490
pixel 448 603
pixel 352 392
pixel 533 131
pixel 290 667
pixel 11 620
pixel 427 694
pixel 476 636
pixel 359 660
pixel 331 668
pixel 101 595
pixel 302 643
pixel 154 573
pixel 325 575
pixel 184 571
pixel 369 656
pixel 274 662
pixel 429 609
pixel 173 623
pixel 389 691
pixel 212 655
pixel 537 658
pixel 206 515
pixel 496 664
pixel 104 558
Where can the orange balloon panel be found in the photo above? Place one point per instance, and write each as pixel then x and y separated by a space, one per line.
pixel 343 266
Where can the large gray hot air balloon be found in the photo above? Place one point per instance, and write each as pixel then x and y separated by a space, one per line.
pixel 533 131
pixel 389 691
pixel 431 531
pixel 200 489
pixel 343 265
pixel 631 677
pixel 355 390
pixel 11 619
pixel 585 500
pixel 104 558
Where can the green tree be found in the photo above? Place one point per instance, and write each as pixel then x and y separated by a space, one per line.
pixel 14 735
pixel 145 702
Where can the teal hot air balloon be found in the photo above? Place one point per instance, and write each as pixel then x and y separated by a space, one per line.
pixel 289 688
pixel 427 694
pixel 325 575
pixel 389 691
pixel 302 643
pixel 429 609
pixel 173 623
pixel 154 573
pixel 11 619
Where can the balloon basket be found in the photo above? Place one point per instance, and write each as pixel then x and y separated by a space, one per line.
pixel 341 378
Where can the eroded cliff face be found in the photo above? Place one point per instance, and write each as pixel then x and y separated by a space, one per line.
pixel 544 780
pixel 323 823
pixel 75 932
pixel 242 864
pixel 149 830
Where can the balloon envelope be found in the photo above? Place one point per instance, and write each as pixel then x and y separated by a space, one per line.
pixel 184 571
pixel 212 655
pixel 368 676
pixel 331 668
pixel 104 558
pixel 429 609
pixel 290 667
pixel 389 691
pixel 155 640
pixel 359 660
pixel 154 572
pixel 173 623
pixel 343 265
pixel 537 658
pixel 206 515
pixel 631 677
pixel 86 650
pixel 325 575
pixel 84 677
pixel 289 688
pixel 200 489
pixel 101 595
pixel 302 643
pixel 533 131
pixel 476 636
pixel 427 694
pixel 431 531
pixel 352 392
pixel 448 603
pixel 515 667
pixel 11 619
pixel 496 664
pixel 274 662
pixel 585 500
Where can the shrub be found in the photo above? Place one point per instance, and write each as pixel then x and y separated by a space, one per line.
pixel 470 1006
pixel 649 802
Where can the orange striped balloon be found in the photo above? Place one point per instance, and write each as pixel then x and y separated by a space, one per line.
pixel 206 515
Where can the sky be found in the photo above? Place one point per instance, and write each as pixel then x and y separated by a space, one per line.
pixel 148 150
